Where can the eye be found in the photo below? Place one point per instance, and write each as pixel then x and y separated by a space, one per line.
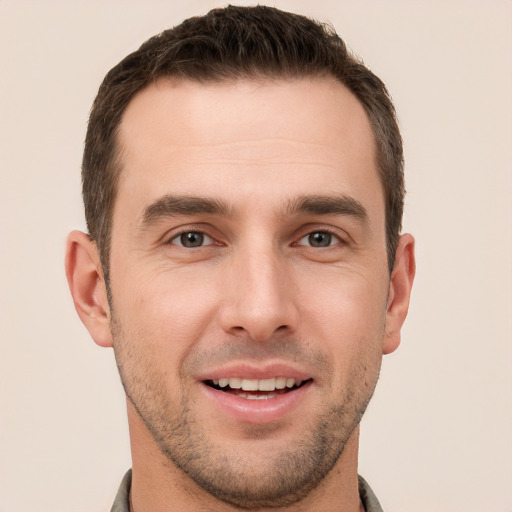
pixel 319 239
pixel 191 239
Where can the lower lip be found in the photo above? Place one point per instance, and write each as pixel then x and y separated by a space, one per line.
pixel 257 411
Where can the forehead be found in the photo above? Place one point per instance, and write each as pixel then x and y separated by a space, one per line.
pixel 246 137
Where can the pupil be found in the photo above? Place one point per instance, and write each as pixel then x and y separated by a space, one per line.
pixel 192 239
pixel 320 239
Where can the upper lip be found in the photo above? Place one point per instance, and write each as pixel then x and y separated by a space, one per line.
pixel 255 371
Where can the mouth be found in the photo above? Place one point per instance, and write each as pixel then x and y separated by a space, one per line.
pixel 257 394
pixel 256 389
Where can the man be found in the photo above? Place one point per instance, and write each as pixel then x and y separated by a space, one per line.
pixel 243 189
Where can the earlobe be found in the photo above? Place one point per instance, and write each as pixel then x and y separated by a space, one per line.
pixel 87 285
pixel 400 287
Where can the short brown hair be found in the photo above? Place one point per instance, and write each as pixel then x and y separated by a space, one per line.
pixel 235 43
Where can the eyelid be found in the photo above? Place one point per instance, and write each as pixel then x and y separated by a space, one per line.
pixel 339 234
pixel 175 233
pixel 207 239
pixel 337 240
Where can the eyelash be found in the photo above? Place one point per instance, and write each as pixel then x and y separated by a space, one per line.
pixel 178 239
pixel 202 234
pixel 332 238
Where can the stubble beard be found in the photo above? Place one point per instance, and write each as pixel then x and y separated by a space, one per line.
pixel 249 479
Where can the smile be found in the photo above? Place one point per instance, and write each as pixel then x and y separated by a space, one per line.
pixel 278 393
pixel 256 389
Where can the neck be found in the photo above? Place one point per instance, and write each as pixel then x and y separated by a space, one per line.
pixel 158 485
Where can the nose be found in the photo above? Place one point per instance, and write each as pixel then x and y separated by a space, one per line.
pixel 259 296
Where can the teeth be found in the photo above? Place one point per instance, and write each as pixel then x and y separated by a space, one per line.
pixel 267 384
pixel 235 383
pixel 249 384
pixel 257 384
pixel 257 397
pixel 281 382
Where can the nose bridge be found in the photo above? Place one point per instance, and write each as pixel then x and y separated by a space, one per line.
pixel 261 298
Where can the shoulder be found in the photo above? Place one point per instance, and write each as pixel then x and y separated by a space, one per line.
pixel 122 501
pixel 370 501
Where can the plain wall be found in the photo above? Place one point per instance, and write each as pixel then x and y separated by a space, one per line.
pixel 438 434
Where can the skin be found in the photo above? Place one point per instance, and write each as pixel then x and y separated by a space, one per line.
pixel 256 291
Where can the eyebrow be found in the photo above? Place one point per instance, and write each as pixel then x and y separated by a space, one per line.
pixel 328 205
pixel 170 206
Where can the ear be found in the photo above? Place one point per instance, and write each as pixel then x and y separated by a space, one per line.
pixel 87 285
pixel 400 286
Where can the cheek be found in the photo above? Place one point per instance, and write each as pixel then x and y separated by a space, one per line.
pixel 346 300
pixel 169 310
pixel 347 313
pixel 159 320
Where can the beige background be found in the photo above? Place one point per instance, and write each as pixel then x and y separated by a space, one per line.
pixel 438 434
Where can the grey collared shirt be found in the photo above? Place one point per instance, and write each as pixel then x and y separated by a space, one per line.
pixel 122 501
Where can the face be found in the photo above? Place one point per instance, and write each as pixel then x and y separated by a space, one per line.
pixel 249 279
